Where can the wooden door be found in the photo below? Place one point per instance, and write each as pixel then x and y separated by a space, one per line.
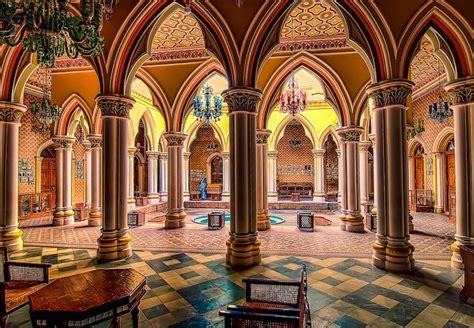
pixel 451 180
pixel 48 175
pixel 419 173
pixel 216 170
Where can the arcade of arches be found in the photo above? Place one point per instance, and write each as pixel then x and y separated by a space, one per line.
pixel 392 185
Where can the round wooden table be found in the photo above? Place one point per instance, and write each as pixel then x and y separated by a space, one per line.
pixel 87 299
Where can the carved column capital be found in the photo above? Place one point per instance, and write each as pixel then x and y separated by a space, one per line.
pixel 318 153
pixel 272 153
pixel 225 155
pixel 95 140
pixel 390 93
pixel 350 133
pixel 242 99
pixel 152 155
pixel 63 142
pixel 163 156
pixel 11 112
pixel 175 139
pixel 132 151
pixel 262 136
pixel 364 145
pixel 461 92
pixel 87 145
pixel 115 105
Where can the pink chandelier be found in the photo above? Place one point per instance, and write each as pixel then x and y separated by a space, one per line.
pixel 293 100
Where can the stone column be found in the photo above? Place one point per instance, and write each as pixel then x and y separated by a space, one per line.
pixel 319 194
pixel 95 214
pixel 243 247
pixel 131 178
pixel 340 180
pixel 153 195
pixel 364 173
pixel 64 215
pixel 114 243
pixel 462 98
pixel 163 186
pixel 175 217
pixel 186 174
pixel 392 249
pixel 226 177
pixel 272 176
pixel 263 214
pixel 440 187
pixel 88 155
pixel 351 219
pixel 10 116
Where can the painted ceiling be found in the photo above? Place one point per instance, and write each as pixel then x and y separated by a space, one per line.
pixel 312 19
pixel 425 66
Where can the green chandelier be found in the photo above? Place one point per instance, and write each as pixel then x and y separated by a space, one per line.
pixel 49 29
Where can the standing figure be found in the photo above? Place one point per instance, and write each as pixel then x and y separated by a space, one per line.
pixel 203 189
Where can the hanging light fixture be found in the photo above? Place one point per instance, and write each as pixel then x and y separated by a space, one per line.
pixel 49 29
pixel 293 100
pixel 44 113
pixel 439 110
pixel 209 108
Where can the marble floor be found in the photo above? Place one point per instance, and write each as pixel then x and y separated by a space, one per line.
pixel 188 289
pixel 432 237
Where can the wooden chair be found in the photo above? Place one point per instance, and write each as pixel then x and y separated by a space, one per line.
pixel 271 303
pixel 467 254
pixel 20 281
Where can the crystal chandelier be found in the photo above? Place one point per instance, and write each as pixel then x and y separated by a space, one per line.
pixel 49 29
pixel 293 99
pixel 44 113
pixel 209 108
pixel 439 110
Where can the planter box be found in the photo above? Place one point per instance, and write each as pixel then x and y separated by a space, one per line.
pixel 216 220
pixel 136 218
pixel 305 221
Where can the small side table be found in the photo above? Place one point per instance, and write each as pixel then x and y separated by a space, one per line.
pixel 305 221
pixel 216 220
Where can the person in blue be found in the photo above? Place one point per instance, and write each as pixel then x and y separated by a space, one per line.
pixel 203 189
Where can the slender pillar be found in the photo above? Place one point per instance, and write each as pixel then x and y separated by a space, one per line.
pixel 95 214
pixel 462 98
pixel 226 177
pixel 243 247
pixel 392 249
pixel 153 195
pixel 10 116
pixel 319 194
pixel 175 217
pixel 131 178
pixel 440 187
pixel 88 155
pixel 364 173
pixel 64 215
pixel 351 219
pixel 340 180
pixel 114 243
pixel 272 176
pixel 263 214
pixel 163 185
pixel 374 176
pixel 186 174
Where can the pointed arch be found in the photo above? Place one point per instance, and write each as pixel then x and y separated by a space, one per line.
pixel 69 106
pixel 194 128
pixel 442 139
pixel 413 144
pixel 278 133
pixel 330 130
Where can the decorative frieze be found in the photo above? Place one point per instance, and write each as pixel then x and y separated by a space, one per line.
pixel 262 136
pixel 242 99
pixel 63 142
pixel 10 112
pixel 390 93
pixel 318 44
pixel 351 134
pixel 175 139
pixel 461 92
pixel 116 106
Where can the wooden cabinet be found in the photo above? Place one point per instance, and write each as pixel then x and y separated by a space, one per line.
pixel 304 189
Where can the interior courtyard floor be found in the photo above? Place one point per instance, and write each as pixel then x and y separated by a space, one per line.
pixel 432 237
pixel 188 289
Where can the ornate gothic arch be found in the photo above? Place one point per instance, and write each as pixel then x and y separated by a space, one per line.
pixel 194 128
pixel 69 107
pixel 413 144
pixel 442 140
pixel 280 129
pixel 330 130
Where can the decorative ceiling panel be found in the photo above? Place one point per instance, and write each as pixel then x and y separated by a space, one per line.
pixel 425 66
pixel 312 19
pixel 178 32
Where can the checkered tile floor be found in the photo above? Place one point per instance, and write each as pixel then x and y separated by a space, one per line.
pixel 188 289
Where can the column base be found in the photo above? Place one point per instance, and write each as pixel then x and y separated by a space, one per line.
pixel 354 223
pixel 456 259
pixel 272 197
pixel 114 245
pixel 163 197
pixel 68 217
pixel 226 196
pixel 153 199
pixel 263 222
pixel 438 210
pixel 243 254
pixel 319 199
pixel 175 220
pixel 343 222
pixel 95 219
pixel 397 259
pixel 11 238
pixel 132 204
pixel 58 219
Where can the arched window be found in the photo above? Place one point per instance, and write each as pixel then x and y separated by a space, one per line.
pixel 216 170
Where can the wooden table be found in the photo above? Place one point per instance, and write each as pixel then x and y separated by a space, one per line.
pixel 87 299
